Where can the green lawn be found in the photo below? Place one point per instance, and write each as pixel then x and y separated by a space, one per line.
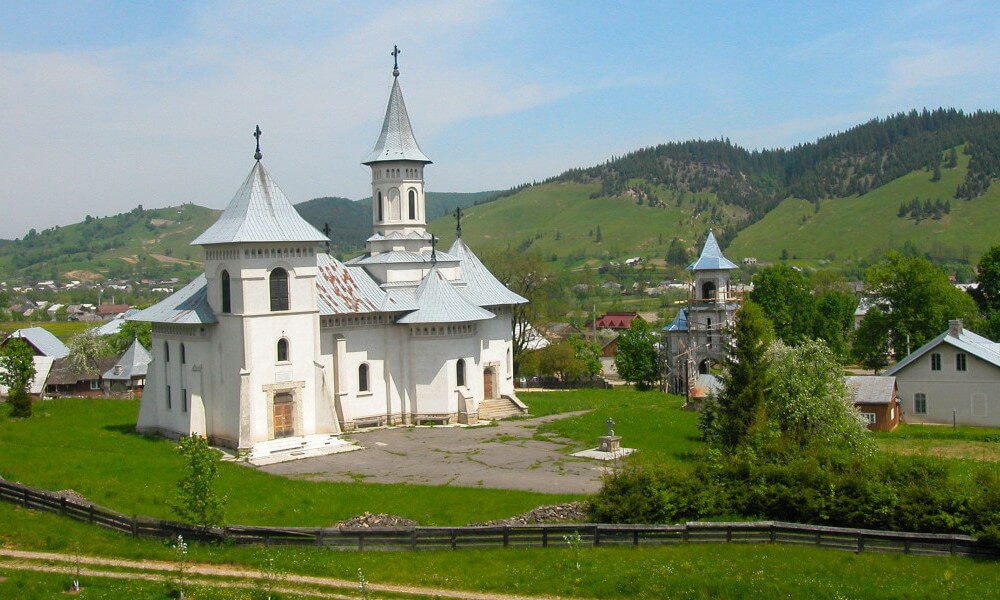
pixel 680 571
pixel 62 330
pixel 90 446
pixel 963 449
pixel 651 422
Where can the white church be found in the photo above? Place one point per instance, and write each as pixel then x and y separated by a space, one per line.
pixel 277 340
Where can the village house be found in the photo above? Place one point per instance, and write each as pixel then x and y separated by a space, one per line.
pixel 280 346
pixel 876 400
pixel 41 341
pixel 952 379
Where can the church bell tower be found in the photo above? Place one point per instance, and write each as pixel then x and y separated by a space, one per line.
pixel 397 164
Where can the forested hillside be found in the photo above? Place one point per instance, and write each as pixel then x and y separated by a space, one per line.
pixel 840 165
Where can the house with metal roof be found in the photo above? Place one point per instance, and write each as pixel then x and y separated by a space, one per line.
pixel 876 400
pixel 41 340
pixel 952 379
pixel 129 372
pixel 279 347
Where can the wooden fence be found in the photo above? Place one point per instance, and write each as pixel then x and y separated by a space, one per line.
pixel 520 536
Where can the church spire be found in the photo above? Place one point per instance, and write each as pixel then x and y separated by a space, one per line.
pixel 396 140
pixel 256 134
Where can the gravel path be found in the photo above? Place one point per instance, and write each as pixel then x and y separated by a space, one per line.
pixel 155 570
pixel 506 456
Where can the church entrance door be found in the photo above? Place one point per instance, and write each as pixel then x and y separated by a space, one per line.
pixel 283 425
pixel 488 384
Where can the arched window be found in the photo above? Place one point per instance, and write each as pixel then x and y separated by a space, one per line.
pixel 708 290
pixel 279 289
pixel 380 213
pixel 227 302
pixel 363 377
pixel 166 351
pixel 460 371
pixel 282 350
pixel 183 355
pixel 413 205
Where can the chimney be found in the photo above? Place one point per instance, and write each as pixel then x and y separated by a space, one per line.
pixel 955 327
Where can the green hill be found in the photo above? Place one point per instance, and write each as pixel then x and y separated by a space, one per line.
pixel 851 229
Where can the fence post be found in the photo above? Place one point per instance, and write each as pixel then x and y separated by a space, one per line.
pixel 319 537
pixel 774 533
pixel 25 494
pixel 506 536
pixel 635 537
pixel 861 543
pixel 361 540
pixel 729 533
pixel 684 533
pixel 906 546
pixel 135 526
pixel 91 513
pixel 413 538
pixel 952 546
pixel 62 505
pixel 545 538
pixel 454 539
pixel 597 535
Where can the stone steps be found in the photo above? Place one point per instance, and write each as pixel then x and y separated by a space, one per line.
pixel 498 408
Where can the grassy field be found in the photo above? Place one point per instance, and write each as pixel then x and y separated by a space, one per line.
pixel 90 446
pixel 650 421
pixel 681 571
pixel 62 330
pixel 963 448
pixel 851 228
pixel 539 212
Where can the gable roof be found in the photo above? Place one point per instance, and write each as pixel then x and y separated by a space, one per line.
pixel 43 365
pixel 396 141
pixel 42 341
pixel 259 212
pixel 134 363
pixel 187 306
pixel 439 302
pixel 711 257
pixel 481 287
pixel 871 389
pixel 967 341
pixel 345 290
pixel 63 374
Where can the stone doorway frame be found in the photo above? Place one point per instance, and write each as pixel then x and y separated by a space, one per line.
pixel 293 388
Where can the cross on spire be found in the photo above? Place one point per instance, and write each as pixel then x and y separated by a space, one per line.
pixel 434 242
pixel 326 232
pixel 257 155
pixel 395 60
pixel 458 221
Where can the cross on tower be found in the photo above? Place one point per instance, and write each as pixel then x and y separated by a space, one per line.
pixel 326 232
pixel 257 155
pixel 458 221
pixel 395 60
pixel 434 242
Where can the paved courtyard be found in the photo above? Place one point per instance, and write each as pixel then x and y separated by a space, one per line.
pixel 506 456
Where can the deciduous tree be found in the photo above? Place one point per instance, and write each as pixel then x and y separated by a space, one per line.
pixel 197 500
pixel 17 370
pixel 636 360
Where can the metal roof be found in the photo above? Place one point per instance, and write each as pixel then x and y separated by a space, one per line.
pixel 439 302
pixel 680 322
pixel 133 363
pixel 187 306
pixel 115 325
pixel 42 340
pixel 396 235
pixel 345 290
pixel 871 389
pixel 711 257
pixel 967 341
pixel 43 365
pixel 402 257
pixel 481 287
pixel 396 141
pixel 259 212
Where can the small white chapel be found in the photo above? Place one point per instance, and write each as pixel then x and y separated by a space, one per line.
pixel 278 340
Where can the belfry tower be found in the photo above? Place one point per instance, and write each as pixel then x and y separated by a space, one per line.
pixel 697 337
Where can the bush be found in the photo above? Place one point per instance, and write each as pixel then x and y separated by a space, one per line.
pixel 20 403
pixel 650 493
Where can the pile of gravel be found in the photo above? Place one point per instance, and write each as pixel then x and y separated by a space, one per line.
pixel 572 512
pixel 377 520
pixel 73 495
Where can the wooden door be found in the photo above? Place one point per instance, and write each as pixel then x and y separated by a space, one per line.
pixel 283 425
pixel 488 383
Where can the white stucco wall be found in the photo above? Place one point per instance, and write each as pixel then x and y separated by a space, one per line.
pixel 973 394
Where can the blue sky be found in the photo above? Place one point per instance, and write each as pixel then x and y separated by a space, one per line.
pixel 106 105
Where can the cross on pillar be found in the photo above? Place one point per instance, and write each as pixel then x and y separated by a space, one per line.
pixel 458 221
pixel 395 60
pixel 257 155
pixel 326 232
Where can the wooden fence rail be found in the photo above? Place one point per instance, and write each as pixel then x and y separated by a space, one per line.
pixel 520 536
